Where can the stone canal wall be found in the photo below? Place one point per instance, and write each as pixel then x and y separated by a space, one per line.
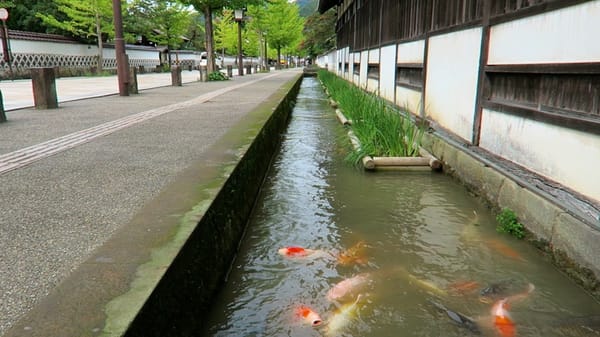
pixel 569 241
pixel 179 302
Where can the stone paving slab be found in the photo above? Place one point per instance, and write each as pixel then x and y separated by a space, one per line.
pixel 58 212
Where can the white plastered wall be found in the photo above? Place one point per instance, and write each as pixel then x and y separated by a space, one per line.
pixel 452 75
pixel 570 157
pixel 45 47
pixel 356 60
pixel 387 73
pixel 565 35
pixel 409 53
pixel 372 84
pixel 364 63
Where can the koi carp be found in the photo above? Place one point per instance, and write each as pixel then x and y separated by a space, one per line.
pixel 309 315
pixel 458 318
pixel 342 318
pixel 354 254
pixel 348 286
pixel 295 251
pixel 502 320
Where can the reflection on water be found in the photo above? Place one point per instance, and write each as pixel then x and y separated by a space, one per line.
pixel 427 242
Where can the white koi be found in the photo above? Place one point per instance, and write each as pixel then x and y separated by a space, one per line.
pixel 342 318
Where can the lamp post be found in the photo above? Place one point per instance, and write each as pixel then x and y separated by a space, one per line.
pixel 239 17
pixel 267 67
pixel 5 41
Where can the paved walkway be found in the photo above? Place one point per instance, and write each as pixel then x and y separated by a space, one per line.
pixel 72 177
pixel 19 93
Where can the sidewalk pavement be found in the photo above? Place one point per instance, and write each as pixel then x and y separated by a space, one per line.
pixel 18 94
pixel 74 177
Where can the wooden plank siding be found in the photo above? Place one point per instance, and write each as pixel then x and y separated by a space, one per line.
pixel 367 24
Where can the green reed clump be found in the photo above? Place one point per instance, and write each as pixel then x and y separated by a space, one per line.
pixel 381 129
pixel 508 223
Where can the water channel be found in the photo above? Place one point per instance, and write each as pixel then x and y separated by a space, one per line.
pixel 418 241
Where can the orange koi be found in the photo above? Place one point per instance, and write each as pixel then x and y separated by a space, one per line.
pixel 502 320
pixel 463 287
pixel 354 254
pixel 309 315
pixel 504 249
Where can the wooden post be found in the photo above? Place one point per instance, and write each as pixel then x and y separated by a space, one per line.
pixel 203 74
pixel 44 88
pixel 176 76
pixel 230 71
pixel 133 84
pixel 2 113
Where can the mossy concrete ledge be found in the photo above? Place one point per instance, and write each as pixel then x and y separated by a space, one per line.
pixel 571 243
pixel 183 295
pixel 158 274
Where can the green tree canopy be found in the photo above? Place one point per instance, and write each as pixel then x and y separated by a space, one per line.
pixel 319 33
pixel 226 38
pixel 87 19
pixel 284 25
pixel 207 7
pixel 163 22
pixel 22 15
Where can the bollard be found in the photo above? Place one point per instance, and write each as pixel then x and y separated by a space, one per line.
pixel 133 83
pixel 176 76
pixel 203 74
pixel 248 69
pixel 255 68
pixel 2 113
pixel 44 88
pixel 230 71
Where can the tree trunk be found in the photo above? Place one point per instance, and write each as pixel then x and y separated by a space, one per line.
pixel 209 40
pixel 100 46
pixel 278 66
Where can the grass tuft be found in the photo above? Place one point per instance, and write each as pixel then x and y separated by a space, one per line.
pixel 508 223
pixel 383 130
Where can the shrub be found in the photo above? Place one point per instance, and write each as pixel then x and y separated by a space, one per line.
pixel 217 76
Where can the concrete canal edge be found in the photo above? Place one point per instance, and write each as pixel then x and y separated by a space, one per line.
pixel 200 252
pixel 569 242
pixel 157 275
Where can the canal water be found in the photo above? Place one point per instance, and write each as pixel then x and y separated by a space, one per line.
pixel 422 252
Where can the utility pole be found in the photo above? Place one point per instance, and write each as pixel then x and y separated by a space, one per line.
pixel 121 56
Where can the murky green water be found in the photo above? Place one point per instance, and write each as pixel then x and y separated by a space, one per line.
pixel 423 236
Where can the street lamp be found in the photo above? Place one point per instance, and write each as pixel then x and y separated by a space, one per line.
pixel 238 15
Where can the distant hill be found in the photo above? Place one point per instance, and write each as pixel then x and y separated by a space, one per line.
pixel 307 7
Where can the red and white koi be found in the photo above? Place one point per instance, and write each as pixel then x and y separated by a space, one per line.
pixel 309 315
pixel 295 251
pixel 502 319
